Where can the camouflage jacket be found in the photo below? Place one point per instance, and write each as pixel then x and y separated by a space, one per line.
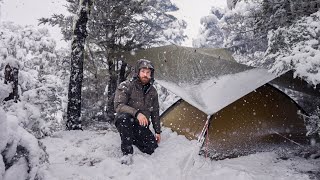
pixel 130 97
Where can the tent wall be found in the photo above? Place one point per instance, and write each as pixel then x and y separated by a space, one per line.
pixel 185 119
pixel 256 122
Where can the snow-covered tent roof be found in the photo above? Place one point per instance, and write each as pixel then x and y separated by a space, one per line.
pixel 208 79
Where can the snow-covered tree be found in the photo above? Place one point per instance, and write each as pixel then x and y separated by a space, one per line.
pixel 116 26
pixel 297 47
pixel 232 3
pixel 257 30
pixel 238 26
pixel 0 8
pixel 41 84
pixel 210 33
pixel 22 156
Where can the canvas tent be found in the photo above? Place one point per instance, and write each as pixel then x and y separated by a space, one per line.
pixel 256 122
pixel 244 112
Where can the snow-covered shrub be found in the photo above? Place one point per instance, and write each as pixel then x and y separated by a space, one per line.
pixel 22 156
pixel 313 123
pixel 42 77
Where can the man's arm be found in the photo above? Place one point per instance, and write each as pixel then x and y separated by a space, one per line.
pixel 155 118
pixel 121 100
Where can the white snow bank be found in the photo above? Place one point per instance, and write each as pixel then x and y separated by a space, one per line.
pixel 82 155
pixel 33 155
pixel 5 89
pixel 20 149
pixel 18 171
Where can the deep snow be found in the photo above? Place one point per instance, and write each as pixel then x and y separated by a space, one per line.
pixel 95 155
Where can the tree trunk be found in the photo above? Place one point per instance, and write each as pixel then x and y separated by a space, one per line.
pixel 122 73
pixel 76 73
pixel 112 86
pixel 11 76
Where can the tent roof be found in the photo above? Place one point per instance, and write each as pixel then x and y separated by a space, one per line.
pixel 286 80
pixel 208 79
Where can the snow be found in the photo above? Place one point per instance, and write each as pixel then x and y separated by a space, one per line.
pixel 3 130
pixel 192 12
pixel 27 12
pixel 303 54
pixel 5 89
pixel 217 93
pixel 12 62
pixel 2 166
pixel 12 136
pixel 18 171
pixel 82 155
pixel 11 10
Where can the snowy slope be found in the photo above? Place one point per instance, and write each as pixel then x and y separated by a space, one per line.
pixel 94 155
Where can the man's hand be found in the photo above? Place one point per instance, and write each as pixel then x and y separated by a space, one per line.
pixel 158 138
pixel 143 121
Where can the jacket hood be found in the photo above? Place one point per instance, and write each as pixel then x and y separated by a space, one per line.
pixel 143 63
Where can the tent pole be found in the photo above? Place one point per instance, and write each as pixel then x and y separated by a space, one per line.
pixel 191 160
pixel 201 137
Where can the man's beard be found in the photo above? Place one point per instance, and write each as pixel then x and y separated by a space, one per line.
pixel 144 80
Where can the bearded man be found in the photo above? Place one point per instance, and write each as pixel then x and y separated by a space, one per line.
pixel 136 102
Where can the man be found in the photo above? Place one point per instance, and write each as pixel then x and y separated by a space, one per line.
pixel 136 101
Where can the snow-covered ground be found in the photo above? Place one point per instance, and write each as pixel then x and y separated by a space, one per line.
pixel 95 155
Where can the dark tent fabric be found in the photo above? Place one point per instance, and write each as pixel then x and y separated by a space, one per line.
pixel 286 80
pixel 306 95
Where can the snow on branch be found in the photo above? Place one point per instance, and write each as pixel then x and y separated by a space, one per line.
pixel 297 47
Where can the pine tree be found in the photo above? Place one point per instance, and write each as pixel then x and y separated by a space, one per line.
pixel 210 34
pixel 249 23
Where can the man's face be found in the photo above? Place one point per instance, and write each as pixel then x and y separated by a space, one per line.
pixel 145 75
